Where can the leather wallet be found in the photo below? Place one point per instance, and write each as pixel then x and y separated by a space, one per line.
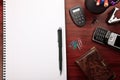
pixel 94 66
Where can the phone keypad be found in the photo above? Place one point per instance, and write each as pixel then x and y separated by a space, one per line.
pixel 100 35
pixel 106 37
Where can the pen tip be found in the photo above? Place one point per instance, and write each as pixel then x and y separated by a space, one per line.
pixel 60 72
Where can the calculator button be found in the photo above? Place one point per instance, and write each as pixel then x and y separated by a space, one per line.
pixel 82 18
pixel 79 22
pixel 82 21
pixel 75 16
pixel 79 19
pixel 81 15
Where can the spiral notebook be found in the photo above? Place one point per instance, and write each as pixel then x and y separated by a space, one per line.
pixel 31 41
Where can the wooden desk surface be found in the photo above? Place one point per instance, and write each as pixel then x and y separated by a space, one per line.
pixel 111 56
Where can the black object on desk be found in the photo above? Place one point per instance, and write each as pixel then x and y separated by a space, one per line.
pixel 77 15
pixel 107 37
pixel 60 49
pixel 92 7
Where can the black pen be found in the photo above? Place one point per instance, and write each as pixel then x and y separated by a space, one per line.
pixel 60 49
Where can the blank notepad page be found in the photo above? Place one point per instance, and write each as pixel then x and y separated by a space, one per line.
pixel 32 41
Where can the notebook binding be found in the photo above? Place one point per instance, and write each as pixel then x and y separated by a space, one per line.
pixel 4 40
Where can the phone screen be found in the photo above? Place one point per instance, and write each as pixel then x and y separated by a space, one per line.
pixel 117 42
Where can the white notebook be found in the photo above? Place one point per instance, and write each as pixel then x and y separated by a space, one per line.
pixel 31 40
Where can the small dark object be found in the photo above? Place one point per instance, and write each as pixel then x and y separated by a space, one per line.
pixel 77 15
pixel 91 6
pixel 94 20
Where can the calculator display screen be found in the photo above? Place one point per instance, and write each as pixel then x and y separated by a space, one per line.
pixel 117 42
pixel 76 10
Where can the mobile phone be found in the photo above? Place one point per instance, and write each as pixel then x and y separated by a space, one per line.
pixel 107 37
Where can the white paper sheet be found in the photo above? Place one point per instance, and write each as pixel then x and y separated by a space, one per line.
pixel 32 41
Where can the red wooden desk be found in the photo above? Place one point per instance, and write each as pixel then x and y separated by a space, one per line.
pixel 111 56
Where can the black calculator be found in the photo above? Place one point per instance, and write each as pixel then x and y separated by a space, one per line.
pixel 107 37
pixel 77 15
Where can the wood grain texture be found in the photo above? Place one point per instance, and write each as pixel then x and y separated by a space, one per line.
pixel 111 56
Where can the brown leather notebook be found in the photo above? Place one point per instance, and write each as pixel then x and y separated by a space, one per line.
pixel 94 66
